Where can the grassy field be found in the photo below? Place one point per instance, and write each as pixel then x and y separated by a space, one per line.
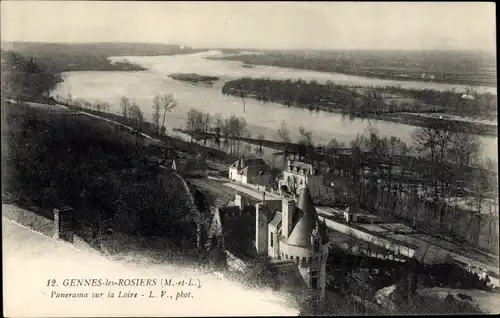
pixel 456 67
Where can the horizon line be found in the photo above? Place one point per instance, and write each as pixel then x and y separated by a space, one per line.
pixel 214 47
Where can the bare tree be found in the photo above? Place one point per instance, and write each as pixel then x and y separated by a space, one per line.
pixel 105 106
pixel 283 132
pixel 206 120
pixel 156 116
pixel 136 114
pixel 125 106
pixel 219 123
pixel 306 136
pixel 194 123
pixel 167 103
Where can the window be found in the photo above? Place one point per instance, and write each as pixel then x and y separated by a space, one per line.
pixel 271 241
pixel 316 246
pixel 314 282
pixel 304 259
pixel 297 259
pixel 314 279
pixel 310 259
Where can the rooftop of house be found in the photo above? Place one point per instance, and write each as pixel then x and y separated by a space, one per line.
pixel 190 164
pixel 236 226
pixel 301 167
pixel 250 162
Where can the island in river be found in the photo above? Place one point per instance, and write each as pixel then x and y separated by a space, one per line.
pixel 194 78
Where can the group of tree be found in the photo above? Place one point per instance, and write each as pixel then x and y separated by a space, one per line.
pixel 438 165
pixel 351 100
pixel 25 79
pixel 200 124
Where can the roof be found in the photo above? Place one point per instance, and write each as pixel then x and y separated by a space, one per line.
pixel 307 221
pixel 190 164
pixel 308 168
pixel 339 182
pixel 250 162
pixel 253 170
pixel 276 221
pixel 352 209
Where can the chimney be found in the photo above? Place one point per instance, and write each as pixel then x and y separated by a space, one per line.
pixel 264 197
pixel 238 201
pixel 63 224
pixel 288 208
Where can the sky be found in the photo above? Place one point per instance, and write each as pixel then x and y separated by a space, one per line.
pixel 265 25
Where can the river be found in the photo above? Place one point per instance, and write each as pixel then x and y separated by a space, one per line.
pixel 263 119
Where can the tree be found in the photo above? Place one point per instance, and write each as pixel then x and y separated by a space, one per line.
pixel 206 120
pixel 283 132
pixel 219 123
pixel 306 136
pixel 135 113
pixel 156 117
pixel 167 103
pixel 194 123
pixel 105 107
pixel 125 106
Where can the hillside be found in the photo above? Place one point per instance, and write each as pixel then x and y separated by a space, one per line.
pixel 53 156
pixel 63 57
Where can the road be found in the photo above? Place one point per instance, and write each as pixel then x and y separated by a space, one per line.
pixel 475 265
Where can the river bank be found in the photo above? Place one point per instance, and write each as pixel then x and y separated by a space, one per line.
pixel 142 87
pixel 408 66
pixel 384 103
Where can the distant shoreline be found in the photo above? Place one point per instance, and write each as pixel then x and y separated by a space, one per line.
pixel 379 72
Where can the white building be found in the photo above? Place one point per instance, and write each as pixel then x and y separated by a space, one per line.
pixel 250 171
pixel 295 234
pixel 297 175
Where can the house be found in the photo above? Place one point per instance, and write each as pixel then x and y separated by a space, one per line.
pixel 191 167
pixel 250 171
pixel 288 232
pixel 297 175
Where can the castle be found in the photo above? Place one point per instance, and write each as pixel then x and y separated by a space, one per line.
pixel 287 231
pixel 298 175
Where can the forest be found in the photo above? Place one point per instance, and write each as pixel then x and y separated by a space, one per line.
pixel 25 79
pixel 361 101
pixel 65 57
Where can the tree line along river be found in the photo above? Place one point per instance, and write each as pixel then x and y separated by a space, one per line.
pixel 263 119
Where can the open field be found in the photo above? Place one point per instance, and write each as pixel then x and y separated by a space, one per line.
pixel 458 67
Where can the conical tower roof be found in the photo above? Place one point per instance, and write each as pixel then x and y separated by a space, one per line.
pixel 301 233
